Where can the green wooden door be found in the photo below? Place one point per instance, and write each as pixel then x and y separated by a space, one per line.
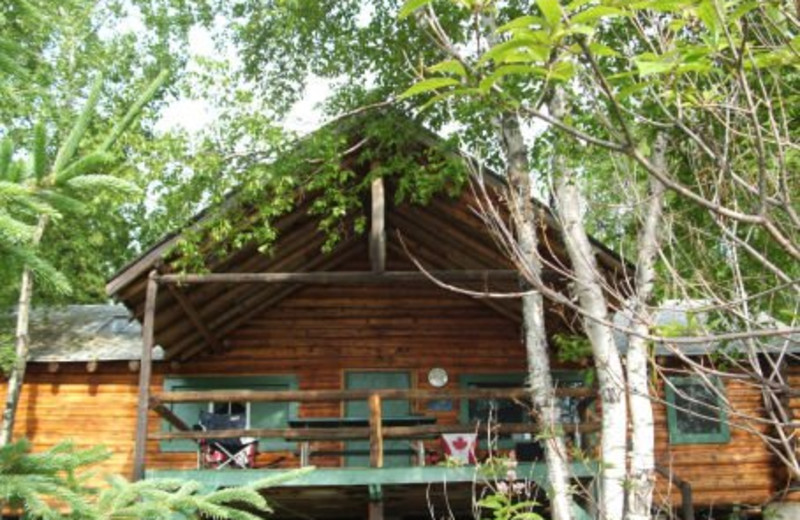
pixel 389 408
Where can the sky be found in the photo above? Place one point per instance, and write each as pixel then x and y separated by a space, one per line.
pixel 192 115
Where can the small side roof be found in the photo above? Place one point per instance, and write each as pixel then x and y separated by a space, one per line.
pixel 682 316
pixel 83 333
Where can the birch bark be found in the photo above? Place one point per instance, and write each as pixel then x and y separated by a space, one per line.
pixel 588 288
pixel 540 380
pixel 642 456
pixel 17 375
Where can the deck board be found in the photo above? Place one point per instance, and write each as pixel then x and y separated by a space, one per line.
pixel 535 471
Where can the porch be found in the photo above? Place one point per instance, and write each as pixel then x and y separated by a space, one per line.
pixel 495 434
pixel 375 490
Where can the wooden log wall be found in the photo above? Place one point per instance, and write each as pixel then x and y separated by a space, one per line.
pixel 318 334
pixel 88 408
pixel 741 471
pixel 792 374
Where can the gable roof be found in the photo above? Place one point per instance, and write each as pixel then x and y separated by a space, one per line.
pixel 444 234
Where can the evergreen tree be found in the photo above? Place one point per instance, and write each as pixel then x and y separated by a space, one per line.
pixel 50 189
pixel 54 485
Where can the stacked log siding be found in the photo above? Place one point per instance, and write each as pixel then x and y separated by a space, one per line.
pixel 317 334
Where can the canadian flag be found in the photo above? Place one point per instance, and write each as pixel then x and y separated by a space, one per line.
pixel 460 446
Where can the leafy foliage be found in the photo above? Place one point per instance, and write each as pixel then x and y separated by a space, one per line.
pixel 56 188
pixel 43 483
pixel 53 485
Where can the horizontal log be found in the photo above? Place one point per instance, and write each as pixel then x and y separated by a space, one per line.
pixel 344 277
pixel 261 396
pixel 356 433
pixel 285 433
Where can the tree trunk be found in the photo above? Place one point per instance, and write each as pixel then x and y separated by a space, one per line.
pixel 22 344
pixel 588 288
pixel 540 379
pixel 642 457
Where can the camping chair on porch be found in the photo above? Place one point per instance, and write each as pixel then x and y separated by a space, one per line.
pixel 221 453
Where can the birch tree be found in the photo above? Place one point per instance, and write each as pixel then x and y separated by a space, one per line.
pixel 558 49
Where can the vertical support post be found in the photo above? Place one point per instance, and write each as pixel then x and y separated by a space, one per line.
pixel 377 232
pixel 687 505
pixel 148 329
pixel 375 511
pixel 375 432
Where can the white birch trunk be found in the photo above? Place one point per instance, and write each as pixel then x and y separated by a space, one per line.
pixel 588 288
pixel 540 379
pixel 642 456
pixel 22 344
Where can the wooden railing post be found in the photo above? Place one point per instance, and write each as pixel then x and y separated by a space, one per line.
pixel 687 502
pixel 375 432
pixel 148 330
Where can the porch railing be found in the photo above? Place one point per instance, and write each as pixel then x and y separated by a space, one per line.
pixel 375 432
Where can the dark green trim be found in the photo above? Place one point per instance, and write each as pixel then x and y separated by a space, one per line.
pixel 464 382
pixel 212 479
pixel 375 493
pixel 678 437
pixel 466 379
pixel 284 381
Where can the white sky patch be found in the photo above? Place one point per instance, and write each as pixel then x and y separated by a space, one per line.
pixel 188 114
pixel 191 115
pixel 306 115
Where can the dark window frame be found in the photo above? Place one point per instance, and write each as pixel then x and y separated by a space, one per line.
pixel 465 380
pixel 676 436
pixel 210 383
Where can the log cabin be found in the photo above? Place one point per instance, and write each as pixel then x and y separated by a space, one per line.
pixel 354 361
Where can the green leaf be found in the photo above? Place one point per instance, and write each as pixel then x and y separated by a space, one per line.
pixel 529 54
pixel 576 4
pixel 506 70
pixel 631 89
pixel 551 11
pixel 743 9
pixel 62 203
pixel 499 52
pixel 428 85
pixel 134 111
pixel 664 6
pixel 449 67
pixel 708 14
pixel 6 152
pixel 702 68
pixel 447 94
pixel 93 183
pixel 595 13
pixel 67 150
pixel 39 151
pixel 522 22
pixel 648 67
pixel 563 70
pixel 89 164
pixel 410 6
pixel 599 49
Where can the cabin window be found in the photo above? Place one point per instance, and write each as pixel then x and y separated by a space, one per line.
pixel 695 412
pixel 259 415
pixel 506 411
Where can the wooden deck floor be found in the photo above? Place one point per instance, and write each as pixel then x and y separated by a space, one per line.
pixel 406 493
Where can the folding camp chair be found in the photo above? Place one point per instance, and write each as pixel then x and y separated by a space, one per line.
pixel 220 453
